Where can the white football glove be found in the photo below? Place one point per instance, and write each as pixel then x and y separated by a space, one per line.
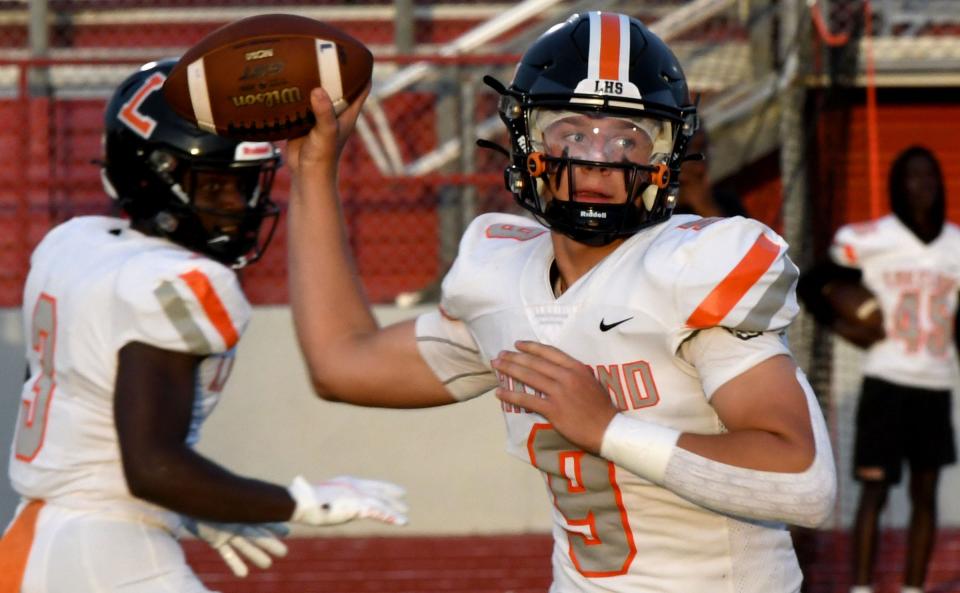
pixel 345 498
pixel 256 542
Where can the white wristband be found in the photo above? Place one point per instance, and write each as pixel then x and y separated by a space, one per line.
pixel 303 494
pixel 642 447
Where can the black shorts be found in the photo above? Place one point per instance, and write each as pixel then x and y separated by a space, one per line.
pixel 897 423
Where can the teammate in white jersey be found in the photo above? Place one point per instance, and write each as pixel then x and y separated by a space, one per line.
pixel 639 358
pixel 131 328
pixel 910 260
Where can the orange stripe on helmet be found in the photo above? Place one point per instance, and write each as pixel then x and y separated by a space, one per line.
pixel 731 289
pixel 212 305
pixel 15 547
pixel 610 46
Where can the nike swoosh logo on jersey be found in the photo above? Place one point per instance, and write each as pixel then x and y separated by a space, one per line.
pixel 604 327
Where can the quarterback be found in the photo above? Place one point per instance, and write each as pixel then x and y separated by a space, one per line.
pixel 638 357
pixel 131 326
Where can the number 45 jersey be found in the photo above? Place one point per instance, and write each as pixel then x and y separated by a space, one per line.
pixel 95 285
pixel 626 319
pixel 916 285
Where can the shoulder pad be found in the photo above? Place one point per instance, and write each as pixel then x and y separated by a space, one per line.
pixel 65 231
pixel 854 242
pixel 488 232
pixel 179 301
pixel 728 272
pixel 491 242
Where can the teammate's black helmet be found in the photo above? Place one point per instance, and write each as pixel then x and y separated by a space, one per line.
pixel 152 159
pixel 610 68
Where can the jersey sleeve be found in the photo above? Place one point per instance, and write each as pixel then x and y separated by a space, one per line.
pixel 719 354
pixel 449 349
pixel 178 301
pixel 488 246
pixel 725 272
pixel 854 242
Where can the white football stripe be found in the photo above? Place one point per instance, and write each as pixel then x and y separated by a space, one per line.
pixel 624 47
pixel 593 57
pixel 328 65
pixel 199 97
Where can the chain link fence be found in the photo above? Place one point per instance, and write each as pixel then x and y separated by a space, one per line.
pixel 413 176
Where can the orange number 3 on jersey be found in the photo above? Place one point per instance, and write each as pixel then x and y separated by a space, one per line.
pixel 32 423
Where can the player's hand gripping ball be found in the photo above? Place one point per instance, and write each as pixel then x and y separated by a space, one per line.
pixel 858 317
pixel 251 79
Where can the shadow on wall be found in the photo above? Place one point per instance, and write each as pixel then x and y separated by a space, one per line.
pixel 12 366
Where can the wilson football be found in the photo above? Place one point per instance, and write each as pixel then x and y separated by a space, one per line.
pixel 251 79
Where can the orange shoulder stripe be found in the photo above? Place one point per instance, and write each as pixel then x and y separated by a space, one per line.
pixel 15 547
pixel 731 289
pixel 212 306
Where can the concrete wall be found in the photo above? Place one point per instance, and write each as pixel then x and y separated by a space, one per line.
pixel 451 459
pixel 269 425
pixel 12 368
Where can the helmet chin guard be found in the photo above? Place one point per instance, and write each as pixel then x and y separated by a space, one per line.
pixel 596 75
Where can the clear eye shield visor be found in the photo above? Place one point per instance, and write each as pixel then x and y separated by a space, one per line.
pixel 564 141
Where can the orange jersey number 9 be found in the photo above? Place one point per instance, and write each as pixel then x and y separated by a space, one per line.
pixel 586 493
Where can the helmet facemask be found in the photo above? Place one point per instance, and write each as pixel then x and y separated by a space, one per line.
pixel 216 208
pixel 596 177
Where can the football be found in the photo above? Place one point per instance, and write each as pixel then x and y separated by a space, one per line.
pixel 251 79
pixel 858 317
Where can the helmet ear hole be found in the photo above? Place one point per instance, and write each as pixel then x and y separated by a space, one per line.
pixel 166 222
pixel 536 164
pixel 660 177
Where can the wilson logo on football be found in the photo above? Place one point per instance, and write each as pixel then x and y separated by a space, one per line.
pixel 258 54
pixel 269 98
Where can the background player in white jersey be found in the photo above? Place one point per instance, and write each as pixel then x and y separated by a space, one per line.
pixel 132 327
pixel 910 260
pixel 639 357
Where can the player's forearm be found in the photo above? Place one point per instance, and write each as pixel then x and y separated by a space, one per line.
pixel 752 449
pixel 720 478
pixel 326 297
pixel 187 483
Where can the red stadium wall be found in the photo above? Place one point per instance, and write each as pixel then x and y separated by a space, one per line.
pixel 838 177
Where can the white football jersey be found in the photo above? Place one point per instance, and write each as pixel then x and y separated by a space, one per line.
pixel 916 285
pixel 95 285
pixel 626 318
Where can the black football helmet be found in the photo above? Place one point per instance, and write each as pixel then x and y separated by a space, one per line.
pixel 610 71
pixel 154 161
